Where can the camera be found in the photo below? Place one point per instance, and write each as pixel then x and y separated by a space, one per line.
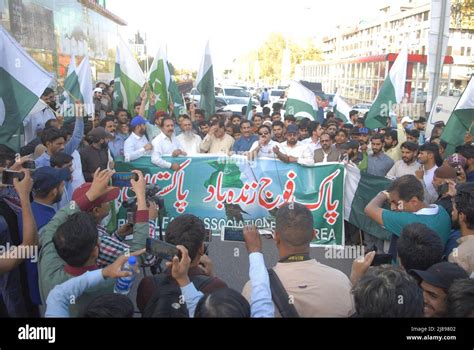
pixel 162 249
pixel 7 177
pixel 151 195
pixel 236 234
pixel 123 179
pixel 29 164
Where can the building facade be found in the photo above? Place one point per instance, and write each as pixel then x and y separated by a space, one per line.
pixel 348 49
pixel 53 30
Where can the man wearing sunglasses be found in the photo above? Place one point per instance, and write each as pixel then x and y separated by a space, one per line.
pixel 264 146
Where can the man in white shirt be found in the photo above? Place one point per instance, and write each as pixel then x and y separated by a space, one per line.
pixel 408 164
pixel 315 130
pixel 166 144
pixel 189 141
pixel 264 146
pixel 292 150
pixel 37 121
pixel 427 157
pixel 137 145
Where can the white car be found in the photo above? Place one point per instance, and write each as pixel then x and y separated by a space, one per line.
pixel 362 108
pixel 277 96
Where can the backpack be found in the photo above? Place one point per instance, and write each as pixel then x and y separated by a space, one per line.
pixel 280 296
pixel 167 301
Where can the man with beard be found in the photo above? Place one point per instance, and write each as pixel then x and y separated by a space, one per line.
pixel 137 145
pixel 463 220
pixel 379 163
pixel 326 153
pixel 48 188
pixel 95 155
pixel 428 157
pixel 351 149
pixel 37 121
pixel 188 140
pixel 408 165
pixel 292 150
pixel 166 144
pixel 117 143
pixel 391 145
pixel 278 129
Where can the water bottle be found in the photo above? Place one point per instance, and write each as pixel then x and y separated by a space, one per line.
pixel 124 284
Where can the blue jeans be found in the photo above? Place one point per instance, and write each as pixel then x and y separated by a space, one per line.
pixel 10 286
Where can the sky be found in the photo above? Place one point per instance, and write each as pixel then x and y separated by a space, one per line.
pixel 235 27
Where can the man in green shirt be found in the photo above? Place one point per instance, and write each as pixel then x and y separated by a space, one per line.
pixel 405 195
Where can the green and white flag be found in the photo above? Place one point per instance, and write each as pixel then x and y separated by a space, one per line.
pixel 301 102
pixel 159 80
pixel 391 93
pixel 129 78
pixel 205 84
pixel 71 83
pixel 249 109
pixel 359 189
pixel 461 120
pixel 342 109
pixel 78 84
pixel 175 95
pixel 23 81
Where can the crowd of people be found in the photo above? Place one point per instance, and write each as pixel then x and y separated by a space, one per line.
pixel 61 209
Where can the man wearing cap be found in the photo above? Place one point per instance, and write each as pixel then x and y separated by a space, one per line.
pixel 463 219
pixel 48 188
pixel 70 241
pixel 435 283
pixel 95 155
pixel 351 149
pixel 406 121
pixel 137 144
pixel 292 150
pixel 166 144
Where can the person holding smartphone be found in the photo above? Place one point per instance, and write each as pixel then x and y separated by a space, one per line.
pixel 443 177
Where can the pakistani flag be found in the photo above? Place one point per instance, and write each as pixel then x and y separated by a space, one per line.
pixel 359 189
pixel 22 82
pixel 129 77
pixel 461 120
pixel 174 93
pixel 159 80
pixel 78 84
pixel 391 93
pixel 342 109
pixel 249 109
pixel 231 175
pixel 205 84
pixel 301 102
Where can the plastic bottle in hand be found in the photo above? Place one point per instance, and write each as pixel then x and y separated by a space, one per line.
pixel 124 284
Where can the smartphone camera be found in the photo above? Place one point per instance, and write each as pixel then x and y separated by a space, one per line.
pixel 382 259
pixel 123 179
pixel 29 164
pixel 131 217
pixel 162 249
pixel 8 176
pixel 229 234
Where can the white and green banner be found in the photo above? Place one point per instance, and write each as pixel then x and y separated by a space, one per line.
pixel 205 84
pixel 461 120
pixel 129 78
pixel 22 82
pixel 301 102
pixel 233 192
pixel 391 93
